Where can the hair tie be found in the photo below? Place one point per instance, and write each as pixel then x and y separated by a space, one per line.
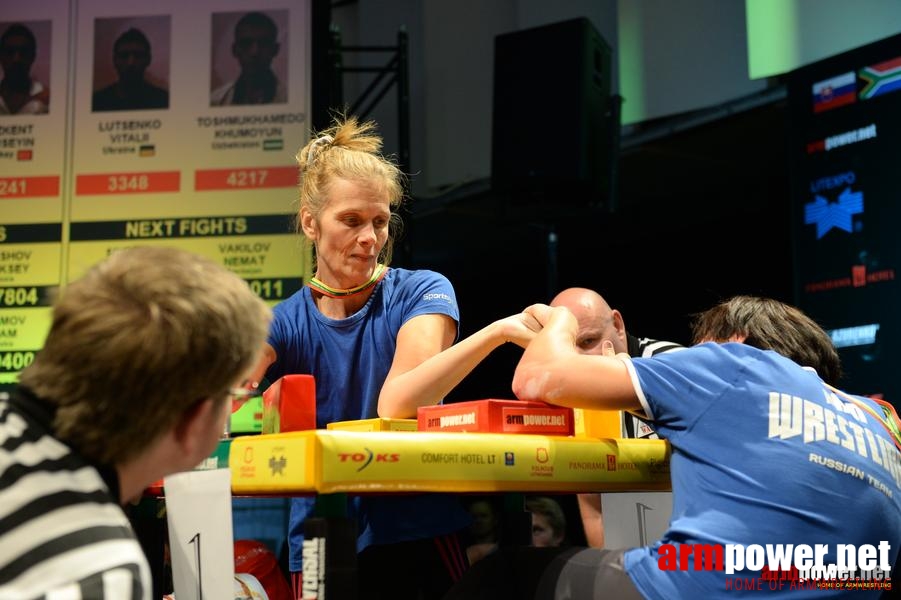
pixel 316 148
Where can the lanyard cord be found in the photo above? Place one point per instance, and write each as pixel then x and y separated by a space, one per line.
pixel 331 292
pixel 889 421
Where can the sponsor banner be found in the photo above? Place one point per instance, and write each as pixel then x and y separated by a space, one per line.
pixel 425 461
pixel 330 461
pixel 858 276
pixel 279 462
pixel 838 215
pixel 845 138
pixel 497 416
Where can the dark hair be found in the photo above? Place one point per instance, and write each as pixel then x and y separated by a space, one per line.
pixel 771 325
pixel 19 29
pixel 132 35
pixel 257 19
pixel 551 510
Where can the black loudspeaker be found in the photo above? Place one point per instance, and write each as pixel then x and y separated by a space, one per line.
pixel 552 139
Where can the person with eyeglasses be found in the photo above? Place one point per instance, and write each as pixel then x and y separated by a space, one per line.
pixel 131 90
pixel 773 468
pixel 133 383
pixel 255 46
pixel 379 341
pixel 20 93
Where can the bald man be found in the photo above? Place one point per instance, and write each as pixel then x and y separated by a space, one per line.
pixel 598 322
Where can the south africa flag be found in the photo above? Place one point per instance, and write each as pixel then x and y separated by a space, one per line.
pixel 881 78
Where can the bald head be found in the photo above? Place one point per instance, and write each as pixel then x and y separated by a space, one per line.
pixel 597 321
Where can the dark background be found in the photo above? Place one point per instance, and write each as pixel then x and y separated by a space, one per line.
pixel 691 208
pixel 701 213
pixel 688 209
pixel 872 244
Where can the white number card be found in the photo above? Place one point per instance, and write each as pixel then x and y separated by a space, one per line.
pixel 199 513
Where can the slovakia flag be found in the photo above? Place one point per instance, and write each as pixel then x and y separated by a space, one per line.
pixel 834 92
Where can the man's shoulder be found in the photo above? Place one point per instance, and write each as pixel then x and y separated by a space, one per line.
pixel 56 549
pixel 281 92
pixel 420 291
pixel 644 347
pixel 157 92
pixel 104 98
pixel 54 476
pixel 222 95
pixel 104 92
pixel 400 274
pixel 40 93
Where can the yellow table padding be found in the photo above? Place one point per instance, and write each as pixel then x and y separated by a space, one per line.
pixel 377 424
pixel 330 461
pixel 274 463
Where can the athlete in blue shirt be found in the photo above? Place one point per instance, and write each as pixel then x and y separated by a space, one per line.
pixel 380 343
pixel 765 454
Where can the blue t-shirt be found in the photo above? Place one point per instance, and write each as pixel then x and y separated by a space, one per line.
pixel 350 359
pixel 762 453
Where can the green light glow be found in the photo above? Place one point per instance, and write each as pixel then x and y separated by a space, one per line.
pixel 773 36
pixel 786 34
pixel 631 61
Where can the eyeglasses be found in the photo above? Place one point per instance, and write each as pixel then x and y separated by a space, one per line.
pixel 239 396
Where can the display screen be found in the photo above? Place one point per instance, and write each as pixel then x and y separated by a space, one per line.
pixel 845 149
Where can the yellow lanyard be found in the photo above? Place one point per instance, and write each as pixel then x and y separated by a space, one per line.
pixel 890 420
pixel 331 292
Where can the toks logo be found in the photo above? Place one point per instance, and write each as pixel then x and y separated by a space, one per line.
pixel 365 458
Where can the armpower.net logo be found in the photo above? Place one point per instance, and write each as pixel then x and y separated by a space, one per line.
pixel 773 567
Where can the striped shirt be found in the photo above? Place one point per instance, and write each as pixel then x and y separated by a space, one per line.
pixel 632 426
pixel 62 533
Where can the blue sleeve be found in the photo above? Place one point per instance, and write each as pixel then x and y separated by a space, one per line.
pixel 676 388
pixel 428 292
pixel 284 337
